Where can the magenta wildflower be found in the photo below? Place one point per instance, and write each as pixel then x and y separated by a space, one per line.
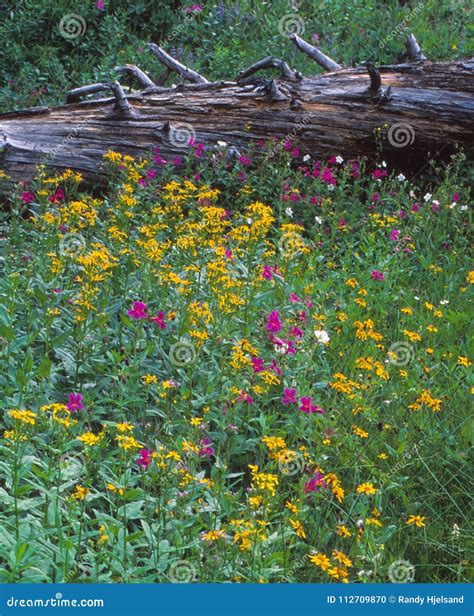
pixel 144 458
pixel 378 174
pixel 206 450
pixel 294 298
pixel 100 5
pixel 159 320
pixel 57 196
pixel 315 483
pixel 268 271
pixel 286 347
pixel 377 275
pixel 289 396
pixel 194 8
pixel 27 197
pixel 296 332
pixel 275 367
pixel 273 322
pixel 394 234
pixel 258 365
pixel 244 397
pixel 138 311
pixel 74 403
pixel 328 177
pixel 307 406
pixel 199 150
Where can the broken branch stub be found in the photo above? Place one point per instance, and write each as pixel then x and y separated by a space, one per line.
pixel 316 54
pixel 185 72
pixel 270 62
pixel 140 76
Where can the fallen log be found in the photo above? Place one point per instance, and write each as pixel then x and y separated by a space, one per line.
pixel 407 112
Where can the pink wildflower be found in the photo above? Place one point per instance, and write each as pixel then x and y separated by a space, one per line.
pixel 273 322
pixel 138 311
pixel 314 484
pixel 289 396
pixel 296 332
pixel 75 403
pixel 160 320
pixel 377 275
pixel 206 450
pixel 258 365
pixel 27 197
pixel 307 406
pixel 145 458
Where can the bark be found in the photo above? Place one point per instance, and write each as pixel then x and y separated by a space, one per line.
pixel 424 109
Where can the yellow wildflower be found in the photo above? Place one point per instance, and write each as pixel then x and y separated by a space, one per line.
pixel 320 560
pixel 80 492
pixel 366 488
pixel 298 528
pixel 417 520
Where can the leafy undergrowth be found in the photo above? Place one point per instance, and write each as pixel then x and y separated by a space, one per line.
pixel 235 373
pixel 77 45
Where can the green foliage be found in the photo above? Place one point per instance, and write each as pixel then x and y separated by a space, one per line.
pixel 39 64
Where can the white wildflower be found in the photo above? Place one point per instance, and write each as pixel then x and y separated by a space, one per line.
pixel 322 336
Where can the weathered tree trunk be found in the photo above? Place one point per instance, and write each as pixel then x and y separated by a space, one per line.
pixel 423 109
